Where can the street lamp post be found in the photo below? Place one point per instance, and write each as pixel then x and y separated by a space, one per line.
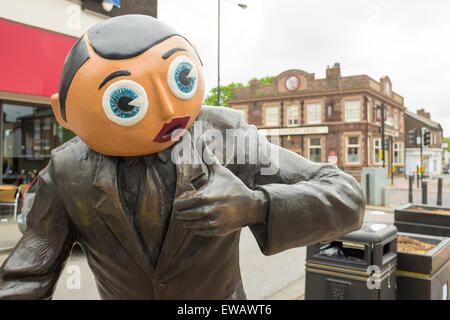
pixel 242 6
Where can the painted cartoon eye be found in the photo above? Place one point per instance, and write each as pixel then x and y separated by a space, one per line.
pixel 125 102
pixel 182 78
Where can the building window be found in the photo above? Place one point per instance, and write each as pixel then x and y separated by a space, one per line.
pixel 376 151
pixel 369 110
pixel 352 110
pixel 272 116
pixel 314 113
pixel 29 134
pixel 292 115
pixel 315 153
pixel 353 150
pixel 398 153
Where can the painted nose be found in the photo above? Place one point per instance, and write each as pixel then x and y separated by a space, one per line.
pixel 166 108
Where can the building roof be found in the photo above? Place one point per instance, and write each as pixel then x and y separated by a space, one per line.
pixel 424 120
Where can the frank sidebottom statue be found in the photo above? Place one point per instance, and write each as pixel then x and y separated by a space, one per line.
pixel 153 225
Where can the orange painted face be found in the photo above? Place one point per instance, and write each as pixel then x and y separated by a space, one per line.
pixel 135 106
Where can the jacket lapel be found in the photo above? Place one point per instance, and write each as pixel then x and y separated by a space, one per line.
pixel 109 208
pixel 187 172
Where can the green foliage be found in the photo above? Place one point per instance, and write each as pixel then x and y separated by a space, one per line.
pixel 448 141
pixel 265 80
pixel 225 95
pixel 225 92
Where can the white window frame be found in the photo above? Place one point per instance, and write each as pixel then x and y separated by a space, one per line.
pixel 314 112
pixel 292 114
pixel 348 145
pixel 376 155
pixel 398 146
pixel 267 116
pixel 352 107
pixel 314 147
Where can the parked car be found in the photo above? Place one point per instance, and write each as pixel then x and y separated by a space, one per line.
pixel 26 204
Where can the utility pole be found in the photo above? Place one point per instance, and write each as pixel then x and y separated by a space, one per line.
pixel 218 53
pixel 383 157
pixel 421 153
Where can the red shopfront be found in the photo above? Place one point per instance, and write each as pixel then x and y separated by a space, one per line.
pixel 31 60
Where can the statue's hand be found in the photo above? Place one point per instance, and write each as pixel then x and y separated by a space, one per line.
pixel 223 205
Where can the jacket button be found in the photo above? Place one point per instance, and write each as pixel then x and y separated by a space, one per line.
pixel 161 287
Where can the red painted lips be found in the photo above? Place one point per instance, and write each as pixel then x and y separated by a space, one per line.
pixel 170 130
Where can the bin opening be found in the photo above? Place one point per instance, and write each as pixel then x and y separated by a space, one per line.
pixel 344 250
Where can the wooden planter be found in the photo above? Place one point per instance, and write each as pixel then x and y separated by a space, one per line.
pixel 424 276
pixel 417 218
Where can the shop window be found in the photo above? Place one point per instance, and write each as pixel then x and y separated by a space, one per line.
pixel 353 150
pixel 398 153
pixel 272 116
pixel 352 110
pixel 314 113
pixel 315 150
pixel 29 135
pixel 292 115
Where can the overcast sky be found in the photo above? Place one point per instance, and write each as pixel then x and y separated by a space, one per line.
pixel 407 40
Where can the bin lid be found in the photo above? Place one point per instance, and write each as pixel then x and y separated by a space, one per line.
pixel 372 231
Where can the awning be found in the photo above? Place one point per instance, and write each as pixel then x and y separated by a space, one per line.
pixel 31 59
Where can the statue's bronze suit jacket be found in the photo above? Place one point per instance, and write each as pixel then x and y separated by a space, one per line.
pixel 77 201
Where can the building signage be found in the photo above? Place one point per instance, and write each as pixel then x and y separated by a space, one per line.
pixel 294 131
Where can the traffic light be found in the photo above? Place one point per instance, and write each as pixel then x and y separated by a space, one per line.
pixel 412 137
pixel 386 144
pixel 426 138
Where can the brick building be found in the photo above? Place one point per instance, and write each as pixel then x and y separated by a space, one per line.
pixel 334 120
pixel 432 154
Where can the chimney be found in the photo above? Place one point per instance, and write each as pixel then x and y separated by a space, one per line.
pixel 334 71
pixel 421 112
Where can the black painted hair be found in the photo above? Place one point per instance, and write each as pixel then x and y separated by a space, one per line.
pixel 117 38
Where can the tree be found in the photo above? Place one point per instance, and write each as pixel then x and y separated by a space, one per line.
pixel 225 92
pixel 225 95
pixel 448 141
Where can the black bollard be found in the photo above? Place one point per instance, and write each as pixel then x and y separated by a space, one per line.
pixel 410 194
pixel 418 177
pixel 439 192
pixel 424 192
pixel 368 188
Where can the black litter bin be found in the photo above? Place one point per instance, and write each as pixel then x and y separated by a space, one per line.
pixel 344 268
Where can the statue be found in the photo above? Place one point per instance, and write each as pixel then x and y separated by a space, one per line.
pixel 152 224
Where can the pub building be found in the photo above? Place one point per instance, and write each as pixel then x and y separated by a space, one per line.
pixel 335 120
pixel 35 37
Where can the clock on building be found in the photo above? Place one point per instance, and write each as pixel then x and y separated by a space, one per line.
pixel 292 82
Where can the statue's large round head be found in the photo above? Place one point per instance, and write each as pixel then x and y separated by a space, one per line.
pixel 129 86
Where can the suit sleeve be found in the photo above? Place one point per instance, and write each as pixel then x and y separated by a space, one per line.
pixel 308 202
pixel 33 268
